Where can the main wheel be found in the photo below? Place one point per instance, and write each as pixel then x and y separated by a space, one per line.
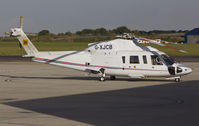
pixel 102 79
pixel 177 80
pixel 112 77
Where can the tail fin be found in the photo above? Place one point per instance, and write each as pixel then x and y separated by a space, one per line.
pixel 23 39
pixel 25 42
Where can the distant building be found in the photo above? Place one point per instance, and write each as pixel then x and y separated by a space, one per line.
pixel 192 36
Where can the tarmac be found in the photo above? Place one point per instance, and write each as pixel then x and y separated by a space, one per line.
pixel 35 94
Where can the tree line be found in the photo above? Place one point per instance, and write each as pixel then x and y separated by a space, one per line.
pixel 116 31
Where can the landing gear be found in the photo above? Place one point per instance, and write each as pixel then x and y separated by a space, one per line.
pixel 177 79
pixel 102 74
pixel 112 77
pixel 101 79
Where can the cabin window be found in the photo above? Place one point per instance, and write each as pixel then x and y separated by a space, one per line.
pixel 123 59
pixel 134 60
pixel 144 59
pixel 155 60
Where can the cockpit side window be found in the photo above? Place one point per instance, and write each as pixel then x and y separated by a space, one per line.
pixel 168 60
pixel 155 60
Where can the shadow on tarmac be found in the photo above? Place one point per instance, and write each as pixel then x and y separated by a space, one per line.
pixel 163 105
pixel 84 78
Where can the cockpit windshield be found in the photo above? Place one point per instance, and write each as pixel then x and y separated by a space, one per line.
pixel 168 60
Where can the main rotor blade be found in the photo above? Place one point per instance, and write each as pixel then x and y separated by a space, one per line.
pixel 161 44
pixel 170 47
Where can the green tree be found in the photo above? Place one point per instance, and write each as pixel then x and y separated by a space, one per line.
pixel 101 31
pixel 44 32
pixel 87 32
pixel 68 33
pixel 121 30
pixel 136 32
pixel 60 34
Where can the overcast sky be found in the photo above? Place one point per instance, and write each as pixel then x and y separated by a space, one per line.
pixel 73 15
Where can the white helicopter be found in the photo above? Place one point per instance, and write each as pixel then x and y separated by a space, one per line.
pixel 119 57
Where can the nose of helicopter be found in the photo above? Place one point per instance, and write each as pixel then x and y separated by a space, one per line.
pixel 184 70
pixel 187 70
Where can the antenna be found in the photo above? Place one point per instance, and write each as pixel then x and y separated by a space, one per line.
pixel 21 22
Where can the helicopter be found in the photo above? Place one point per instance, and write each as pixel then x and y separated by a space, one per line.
pixel 119 57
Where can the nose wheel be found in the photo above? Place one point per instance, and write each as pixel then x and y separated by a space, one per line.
pixel 177 79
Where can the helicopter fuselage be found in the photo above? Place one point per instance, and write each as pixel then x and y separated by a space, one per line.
pixel 134 64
